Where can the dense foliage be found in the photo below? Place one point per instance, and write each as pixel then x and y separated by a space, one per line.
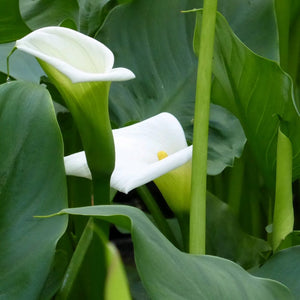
pixel 67 237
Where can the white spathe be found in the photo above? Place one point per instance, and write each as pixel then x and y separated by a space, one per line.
pixel 136 148
pixel 79 57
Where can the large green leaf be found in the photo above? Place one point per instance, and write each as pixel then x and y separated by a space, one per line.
pixel 86 15
pixel 32 182
pixel 284 266
pixel 12 26
pixel 259 93
pixel 41 13
pixel 165 69
pixel 168 273
pixel 154 40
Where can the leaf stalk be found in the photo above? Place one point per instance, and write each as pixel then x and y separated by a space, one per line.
pixel 201 124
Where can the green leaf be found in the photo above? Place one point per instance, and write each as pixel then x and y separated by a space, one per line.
pixel 226 139
pixel 259 93
pixel 116 276
pixel 163 61
pixel 62 257
pixel 32 182
pixel 42 13
pixel 3 77
pixel 292 239
pixel 168 273
pixel 21 65
pixel 165 69
pixel 92 14
pixel 283 219
pixel 254 22
pixel 283 266
pixel 12 26
pixel 225 238
pixel 136 287
pixel 86 15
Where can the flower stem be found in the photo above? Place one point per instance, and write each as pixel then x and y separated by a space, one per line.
pixel 101 190
pixel 201 123
pixel 235 185
pixel 156 213
pixel 79 259
pixel 282 8
pixel 283 220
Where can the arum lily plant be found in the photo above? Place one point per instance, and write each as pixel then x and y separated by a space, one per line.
pixel 254 88
pixel 82 70
pixel 154 149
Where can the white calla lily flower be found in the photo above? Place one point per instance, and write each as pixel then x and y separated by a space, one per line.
pixel 77 56
pixel 81 68
pixel 137 148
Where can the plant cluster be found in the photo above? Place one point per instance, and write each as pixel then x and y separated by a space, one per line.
pixel 156 126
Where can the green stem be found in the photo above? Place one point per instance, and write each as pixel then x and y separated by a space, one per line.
pixel 201 123
pixel 183 220
pixel 7 62
pixel 282 8
pixel 77 261
pixel 294 51
pixel 156 213
pixel 255 212
pixel 235 186
pixel 101 190
pixel 283 220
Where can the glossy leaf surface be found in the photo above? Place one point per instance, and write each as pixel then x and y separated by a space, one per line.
pixel 259 93
pixel 32 182
pixel 37 14
pixel 12 26
pixel 21 65
pixel 284 266
pixel 225 237
pixel 165 68
pixel 182 274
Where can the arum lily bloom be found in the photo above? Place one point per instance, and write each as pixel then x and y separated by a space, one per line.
pixel 154 149
pixel 82 70
pixel 77 56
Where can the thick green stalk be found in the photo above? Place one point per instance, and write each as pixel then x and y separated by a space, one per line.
pixel 201 123
pixel 282 8
pixel 283 220
pixel 101 190
pixel 156 213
